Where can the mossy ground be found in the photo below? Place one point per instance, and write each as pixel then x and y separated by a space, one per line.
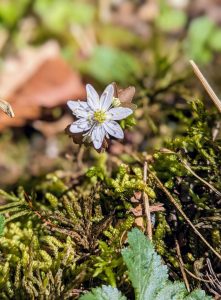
pixel 64 232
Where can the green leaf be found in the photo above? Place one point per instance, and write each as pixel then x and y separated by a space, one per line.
pixel 175 291
pixel 59 17
pixel 104 293
pixel 149 276
pixel 197 27
pixel 108 64
pixel 215 40
pixel 170 20
pixel 2 223
pixel 146 272
pixel 197 44
pixel 198 295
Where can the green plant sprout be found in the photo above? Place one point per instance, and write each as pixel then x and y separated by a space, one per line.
pixel 149 277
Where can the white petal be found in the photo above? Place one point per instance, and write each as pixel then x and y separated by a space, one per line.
pixel 73 105
pixel 92 97
pixel 97 136
pixel 80 126
pixel 119 113
pixel 107 97
pixel 114 129
pixel 79 108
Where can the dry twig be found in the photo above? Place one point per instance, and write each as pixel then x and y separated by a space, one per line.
pixel 196 277
pixel 215 284
pixel 206 85
pixel 181 266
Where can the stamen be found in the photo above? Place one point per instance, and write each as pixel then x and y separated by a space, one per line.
pixel 99 116
pixel 116 102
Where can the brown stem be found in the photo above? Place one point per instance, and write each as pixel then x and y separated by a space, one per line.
pixel 181 266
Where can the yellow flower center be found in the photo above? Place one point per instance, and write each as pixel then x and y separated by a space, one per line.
pixel 99 116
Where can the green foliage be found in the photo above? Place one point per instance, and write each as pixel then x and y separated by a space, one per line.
pixel 46 234
pixel 117 36
pixel 147 274
pixel 200 46
pixel 128 180
pixel 17 206
pixel 58 17
pixel 108 64
pixel 104 293
pixel 128 122
pixel 62 237
pixel 10 13
pixel 108 263
pixel 2 223
pixel 170 19
pixel 144 266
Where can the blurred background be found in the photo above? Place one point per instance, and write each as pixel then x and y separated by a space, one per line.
pixel 51 48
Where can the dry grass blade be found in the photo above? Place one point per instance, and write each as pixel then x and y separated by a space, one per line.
pixel 6 107
pixel 196 277
pixel 215 284
pixel 182 266
pixel 206 85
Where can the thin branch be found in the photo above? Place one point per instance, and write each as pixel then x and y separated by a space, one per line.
pixel 147 206
pixel 195 277
pixel 181 265
pixel 173 201
pixel 206 85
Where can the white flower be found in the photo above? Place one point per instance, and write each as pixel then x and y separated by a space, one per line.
pixel 97 117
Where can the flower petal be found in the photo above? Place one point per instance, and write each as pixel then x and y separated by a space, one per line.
pixel 80 126
pixel 114 129
pixel 79 108
pixel 92 97
pixel 107 97
pixel 119 113
pixel 76 104
pixel 97 136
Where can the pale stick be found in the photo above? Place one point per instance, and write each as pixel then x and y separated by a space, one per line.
pixel 206 85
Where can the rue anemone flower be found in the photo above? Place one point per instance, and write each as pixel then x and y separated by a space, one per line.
pixel 96 118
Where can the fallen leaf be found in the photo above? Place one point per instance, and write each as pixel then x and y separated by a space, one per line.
pixel 41 78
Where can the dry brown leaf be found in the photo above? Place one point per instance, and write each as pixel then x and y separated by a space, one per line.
pixel 41 78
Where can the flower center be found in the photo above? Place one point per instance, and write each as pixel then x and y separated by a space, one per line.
pixel 99 116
